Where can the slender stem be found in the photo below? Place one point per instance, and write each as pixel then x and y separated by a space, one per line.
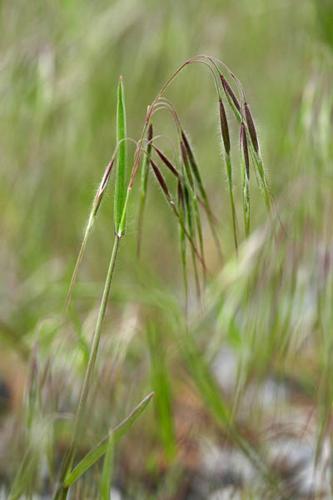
pixel 232 202
pixel 61 492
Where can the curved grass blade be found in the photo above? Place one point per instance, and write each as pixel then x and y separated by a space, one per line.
pixel 144 185
pixel 117 433
pixel 120 187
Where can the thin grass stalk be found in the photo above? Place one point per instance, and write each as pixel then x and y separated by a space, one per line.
pixel 182 240
pixel 192 211
pixel 100 449
pixel 191 229
pixel 191 201
pixel 105 486
pixel 62 491
pixel 260 170
pixel 246 178
pixel 200 233
pixel 227 159
pixel 144 184
pixel 163 394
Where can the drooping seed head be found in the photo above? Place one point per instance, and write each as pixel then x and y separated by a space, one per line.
pixel 245 149
pixel 252 128
pixel 224 128
pixel 229 92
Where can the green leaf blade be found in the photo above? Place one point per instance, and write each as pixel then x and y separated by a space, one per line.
pixel 120 188
pixel 117 433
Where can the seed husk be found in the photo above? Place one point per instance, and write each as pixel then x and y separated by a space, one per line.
pixel 166 162
pixel 229 92
pixel 160 179
pixel 224 128
pixel 252 128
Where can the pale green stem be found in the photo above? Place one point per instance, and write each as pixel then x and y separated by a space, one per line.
pixel 61 492
pixel 232 202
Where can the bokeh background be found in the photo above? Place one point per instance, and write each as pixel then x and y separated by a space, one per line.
pixel 59 68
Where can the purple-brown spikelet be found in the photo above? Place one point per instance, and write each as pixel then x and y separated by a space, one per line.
pixel 229 92
pixel 160 180
pixel 224 128
pixel 244 146
pixel 187 146
pixel 252 128
pixel 167 162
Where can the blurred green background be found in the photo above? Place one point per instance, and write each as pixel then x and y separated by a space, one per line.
pixel 59 67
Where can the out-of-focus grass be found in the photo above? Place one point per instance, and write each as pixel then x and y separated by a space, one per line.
pixel 59 65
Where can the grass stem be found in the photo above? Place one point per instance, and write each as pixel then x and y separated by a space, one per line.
pixel 61 492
